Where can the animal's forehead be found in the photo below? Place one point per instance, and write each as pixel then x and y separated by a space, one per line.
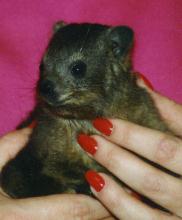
pixel 77 35
pixel 77 32
pixel 76 42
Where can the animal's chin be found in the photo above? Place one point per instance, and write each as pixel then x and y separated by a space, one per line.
pixel 73 111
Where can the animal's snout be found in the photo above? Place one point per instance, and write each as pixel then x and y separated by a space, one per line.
pixel 47 89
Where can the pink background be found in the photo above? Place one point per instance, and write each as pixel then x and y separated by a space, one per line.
pixel 25 27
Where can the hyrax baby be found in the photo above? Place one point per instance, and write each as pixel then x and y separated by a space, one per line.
pixel 85 73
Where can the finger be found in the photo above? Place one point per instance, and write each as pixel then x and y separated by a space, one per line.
pixel 121 204
pixel 12 143
pixel 156 146
pixel 140 176
pixel 61 207
pixel 170 111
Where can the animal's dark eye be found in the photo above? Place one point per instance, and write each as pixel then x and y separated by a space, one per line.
pixel 78 69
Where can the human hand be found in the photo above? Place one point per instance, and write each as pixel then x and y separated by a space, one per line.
pixel 111 150
pixel 54 207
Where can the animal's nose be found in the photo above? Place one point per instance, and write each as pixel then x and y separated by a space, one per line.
pixel 48 90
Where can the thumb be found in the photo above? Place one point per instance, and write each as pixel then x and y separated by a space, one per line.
pixel 56 207
pixel 12 143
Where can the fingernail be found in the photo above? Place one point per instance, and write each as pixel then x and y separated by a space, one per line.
pixel 95 180
pixel 145 80
pixel 103 125
pixel 88 143
pixel 32 124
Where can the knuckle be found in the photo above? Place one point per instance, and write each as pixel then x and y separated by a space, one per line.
pixel 152 183
pixel 167 148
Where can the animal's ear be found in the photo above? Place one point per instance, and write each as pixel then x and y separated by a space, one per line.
pixel 121 40
pixel 58 25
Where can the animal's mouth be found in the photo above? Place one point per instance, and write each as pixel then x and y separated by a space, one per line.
pixel 75 105
pixel 71 111
pixel 56 108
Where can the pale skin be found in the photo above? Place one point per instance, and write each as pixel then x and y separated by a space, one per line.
pixel 162 188
pixel 163 149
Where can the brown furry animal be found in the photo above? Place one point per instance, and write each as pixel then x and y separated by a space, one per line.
pixel 85 73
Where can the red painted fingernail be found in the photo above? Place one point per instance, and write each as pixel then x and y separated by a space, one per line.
pixel 95 180
pixel 103 125
pixel 87 143
pixel 146 81
pixel 33 124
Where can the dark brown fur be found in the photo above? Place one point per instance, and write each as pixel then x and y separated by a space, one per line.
pixel 70 95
